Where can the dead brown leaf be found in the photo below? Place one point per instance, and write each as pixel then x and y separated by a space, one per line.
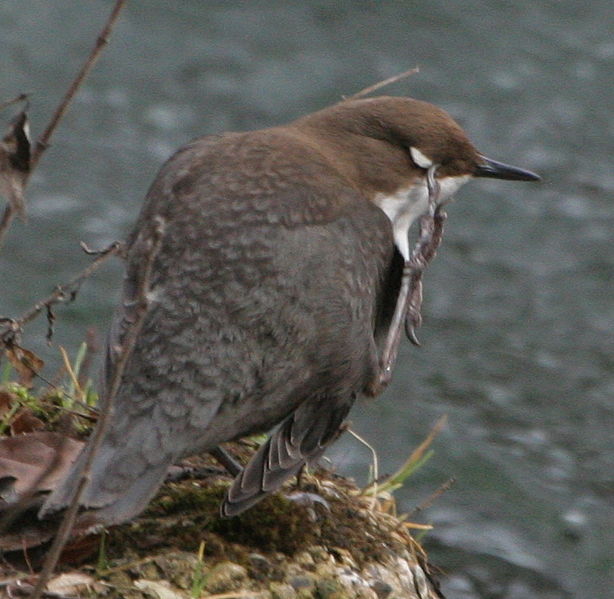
pixel 25 421
pixel 26 363
pixel 34 462
pixel 7 401
pixel 15 153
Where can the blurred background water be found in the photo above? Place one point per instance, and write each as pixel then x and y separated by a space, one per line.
pixel 518 348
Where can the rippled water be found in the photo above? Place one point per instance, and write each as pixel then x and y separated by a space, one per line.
pixel 518 346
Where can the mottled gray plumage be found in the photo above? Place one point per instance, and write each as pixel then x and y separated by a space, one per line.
pixel 270 295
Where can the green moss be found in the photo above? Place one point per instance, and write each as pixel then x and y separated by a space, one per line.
pixel 275 524
pixel 52 406
pixel 184 515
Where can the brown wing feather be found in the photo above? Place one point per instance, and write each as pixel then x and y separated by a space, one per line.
pixel 301 439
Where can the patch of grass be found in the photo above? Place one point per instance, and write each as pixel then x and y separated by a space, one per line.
pixel 53 404
pixel 198 576
pixel 412 464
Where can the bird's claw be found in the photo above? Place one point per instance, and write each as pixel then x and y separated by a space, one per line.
pixel 308 499
pixel 410 331
pixel 413 317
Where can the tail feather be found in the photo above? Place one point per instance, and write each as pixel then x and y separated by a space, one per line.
pixel 302 438
pixel 118 487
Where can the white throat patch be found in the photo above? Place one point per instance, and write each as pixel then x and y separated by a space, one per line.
pixel 406 205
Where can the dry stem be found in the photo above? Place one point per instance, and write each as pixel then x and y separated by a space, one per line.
pixel 369 90
pixel 101 41
pixel 16 100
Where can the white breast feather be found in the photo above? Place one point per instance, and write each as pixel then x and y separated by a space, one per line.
pixel 406 205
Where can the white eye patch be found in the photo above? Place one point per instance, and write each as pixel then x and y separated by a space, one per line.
pixel 419 158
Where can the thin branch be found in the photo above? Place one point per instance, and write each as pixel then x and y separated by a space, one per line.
pixel 101 41
pixel 369 90
pixel 11 328
pixel 19 98
pixel 127 346
pixel 446 486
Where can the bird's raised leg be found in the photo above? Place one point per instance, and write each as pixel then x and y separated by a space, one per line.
pixel 409 300
pixel 226 460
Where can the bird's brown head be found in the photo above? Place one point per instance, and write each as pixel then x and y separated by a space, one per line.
pixel 389 148
pixel 412 135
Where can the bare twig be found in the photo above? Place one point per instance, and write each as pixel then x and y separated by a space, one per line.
pixel 125 351
pixel 101 41
pixel 369 90
pixel 432 497
pixel 11 328
pixel 16 100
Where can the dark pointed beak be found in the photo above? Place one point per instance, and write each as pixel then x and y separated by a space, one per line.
pixel 498 170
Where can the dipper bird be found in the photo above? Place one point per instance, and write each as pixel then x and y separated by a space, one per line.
pixel 271 297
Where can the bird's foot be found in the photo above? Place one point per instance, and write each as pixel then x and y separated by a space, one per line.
pixel 431 234
pixel 310 501
pixel 306 492
pixel 409 301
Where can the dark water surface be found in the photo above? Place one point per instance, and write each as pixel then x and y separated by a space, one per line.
pixel 519 312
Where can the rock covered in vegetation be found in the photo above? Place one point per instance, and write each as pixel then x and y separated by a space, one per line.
pixel 329 542
pixel 350 548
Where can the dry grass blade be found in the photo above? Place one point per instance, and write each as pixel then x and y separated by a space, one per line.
pixel 73 376
pixel 419 452
pixel 416 526
pixel 372 88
